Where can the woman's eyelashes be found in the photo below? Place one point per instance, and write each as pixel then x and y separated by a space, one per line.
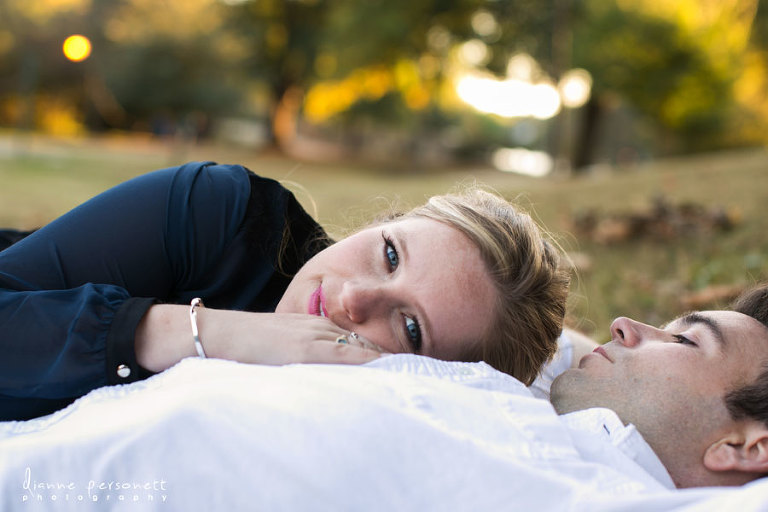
pixel 392 258
pixel 412 327
pixel 413 332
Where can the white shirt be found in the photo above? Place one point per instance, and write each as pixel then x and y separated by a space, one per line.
pixel 600 436
pixel 594 429
pixel 402 433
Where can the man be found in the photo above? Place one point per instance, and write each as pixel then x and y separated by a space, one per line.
pixel 697 390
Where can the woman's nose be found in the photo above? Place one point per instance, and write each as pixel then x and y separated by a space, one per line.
pixel 360 300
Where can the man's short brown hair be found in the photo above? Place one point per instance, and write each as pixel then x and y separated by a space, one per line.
pixel 751 401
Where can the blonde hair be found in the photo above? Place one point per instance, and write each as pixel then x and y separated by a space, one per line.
pixel 526 270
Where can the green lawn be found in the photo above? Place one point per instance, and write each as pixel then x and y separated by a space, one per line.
pixel 647 279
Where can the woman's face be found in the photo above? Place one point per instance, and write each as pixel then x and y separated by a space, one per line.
pixel 414 285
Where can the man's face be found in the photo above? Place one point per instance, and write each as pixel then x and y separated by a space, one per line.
pixel 670 382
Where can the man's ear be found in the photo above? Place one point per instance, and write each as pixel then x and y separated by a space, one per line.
pixel 744 449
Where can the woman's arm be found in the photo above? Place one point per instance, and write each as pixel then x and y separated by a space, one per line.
pixel 73 293
pixel 164 337
pixel 166 236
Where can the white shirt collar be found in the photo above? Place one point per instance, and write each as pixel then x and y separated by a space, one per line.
pixel 625 439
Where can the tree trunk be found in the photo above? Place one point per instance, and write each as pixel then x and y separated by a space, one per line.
pixel 586 138
pixel 285 118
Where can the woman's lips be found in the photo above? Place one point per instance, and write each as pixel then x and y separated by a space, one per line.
pixel 317 303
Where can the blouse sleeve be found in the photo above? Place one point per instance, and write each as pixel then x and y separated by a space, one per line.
pixel 73 292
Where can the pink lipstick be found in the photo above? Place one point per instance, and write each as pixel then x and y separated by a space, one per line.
pixel 317 303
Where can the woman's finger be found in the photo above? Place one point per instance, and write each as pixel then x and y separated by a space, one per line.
pixel 364 342
pixel 341 353
pixel 352 338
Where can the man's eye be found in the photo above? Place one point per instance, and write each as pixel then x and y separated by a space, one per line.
pixel 390 253
pixel 679 338
pixel 413 330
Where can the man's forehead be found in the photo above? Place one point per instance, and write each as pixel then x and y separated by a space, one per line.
pixel 725 320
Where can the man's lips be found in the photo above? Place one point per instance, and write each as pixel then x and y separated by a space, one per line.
pixel 602 352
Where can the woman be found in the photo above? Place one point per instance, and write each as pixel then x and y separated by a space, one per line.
pixel 101 295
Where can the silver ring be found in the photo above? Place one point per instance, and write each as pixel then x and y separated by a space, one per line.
pixel 354 336
pixel 342 339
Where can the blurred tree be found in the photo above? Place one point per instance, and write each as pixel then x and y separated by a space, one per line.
pixel 676 63
pixel 690 66
pixel 752 83
pixel 388 55
pixel 165 66
pixel 282 38
pixel 154 65
pixel 32 65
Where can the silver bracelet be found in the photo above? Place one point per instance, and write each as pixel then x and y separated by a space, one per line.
pixel 197 301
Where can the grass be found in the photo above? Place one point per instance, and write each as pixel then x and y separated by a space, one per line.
pixel 42 178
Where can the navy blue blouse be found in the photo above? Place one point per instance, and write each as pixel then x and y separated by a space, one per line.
pixel 73 292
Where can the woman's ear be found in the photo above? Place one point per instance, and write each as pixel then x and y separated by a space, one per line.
pixel 745 449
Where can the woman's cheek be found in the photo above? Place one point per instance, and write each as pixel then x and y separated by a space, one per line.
pixel 381 340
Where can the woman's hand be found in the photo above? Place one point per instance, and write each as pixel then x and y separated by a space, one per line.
pixel 164 337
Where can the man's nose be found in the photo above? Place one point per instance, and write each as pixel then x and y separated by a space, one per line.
pixel 360 300
pixel 628 332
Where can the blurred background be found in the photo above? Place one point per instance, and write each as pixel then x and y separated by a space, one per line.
pixel 634 130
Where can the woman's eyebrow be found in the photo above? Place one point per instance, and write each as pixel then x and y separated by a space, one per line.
pixel 710 324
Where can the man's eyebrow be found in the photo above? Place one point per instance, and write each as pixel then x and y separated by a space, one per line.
pixel 713 327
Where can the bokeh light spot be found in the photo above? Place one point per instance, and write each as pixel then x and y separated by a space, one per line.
pixel 575 87
pixel 76 48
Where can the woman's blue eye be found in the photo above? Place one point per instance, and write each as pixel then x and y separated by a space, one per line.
pixel 414 332
pixel 393 259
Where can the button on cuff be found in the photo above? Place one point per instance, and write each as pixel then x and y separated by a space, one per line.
pixel 123 371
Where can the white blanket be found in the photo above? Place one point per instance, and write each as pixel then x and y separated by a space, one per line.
pixel 405 433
